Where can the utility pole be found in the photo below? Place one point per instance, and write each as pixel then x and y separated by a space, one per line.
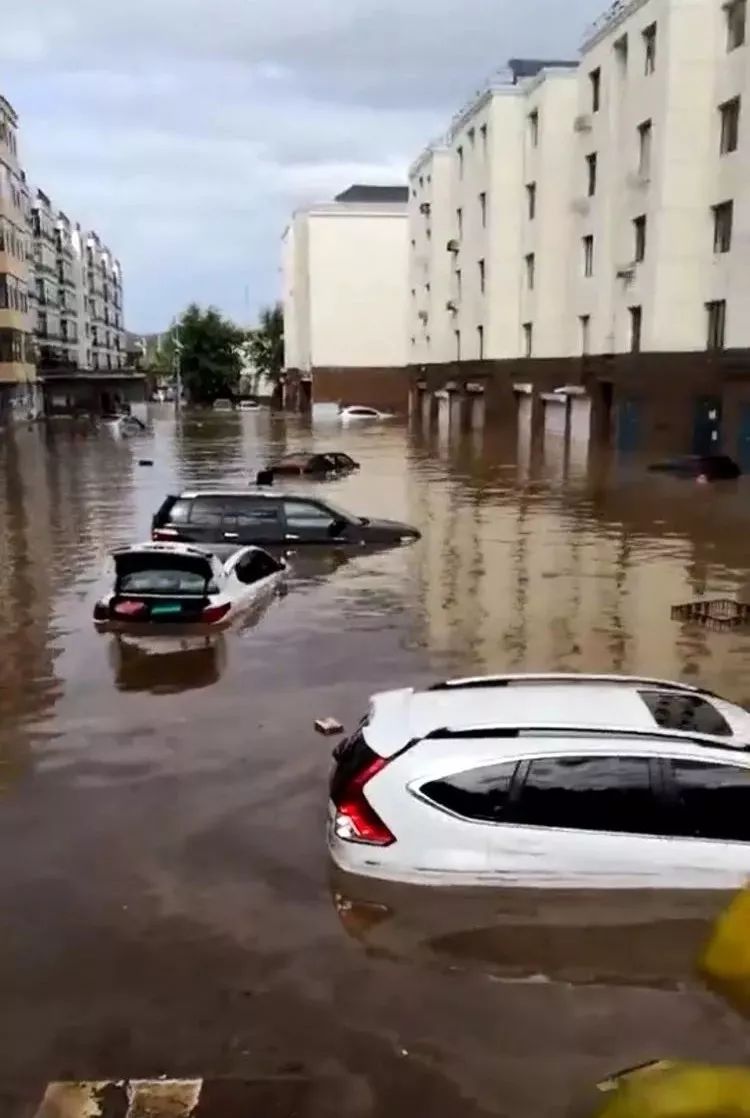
pixel 177 367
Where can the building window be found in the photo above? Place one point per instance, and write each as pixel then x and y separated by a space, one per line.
pixel 717 321
pixel 472 137
pixel 588 255
pixel 730 125
pixel 736 21
pixel 457 336
pixel 723 215
pixel 460 222
pixel 591 163
pixel 483 209
pixel 534 128
pixel 460 154
pixel 531 200
pixel 480 340
pixel 636 325
pixel 595 78
pixel 645 136
pixel 528 339
pixel 530 271
pixel 483 137
pixel 649 49
pixel 459 283
pixel 585 324
pixel 482 276
pixel 639 230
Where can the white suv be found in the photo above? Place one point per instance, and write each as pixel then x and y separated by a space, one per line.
pixel 546 780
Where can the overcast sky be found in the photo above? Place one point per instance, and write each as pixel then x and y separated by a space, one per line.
pixel 187 131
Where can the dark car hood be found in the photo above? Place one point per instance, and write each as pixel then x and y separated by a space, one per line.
pixel 377 529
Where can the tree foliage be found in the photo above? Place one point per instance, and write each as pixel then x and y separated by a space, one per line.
pixel 207 347
pixel 266 343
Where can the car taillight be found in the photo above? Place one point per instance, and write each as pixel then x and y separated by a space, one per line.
pixel 212 614
pixel 356 819
pixel 130 610
pixel 165 534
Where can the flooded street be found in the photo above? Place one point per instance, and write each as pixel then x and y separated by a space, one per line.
pixel 166 906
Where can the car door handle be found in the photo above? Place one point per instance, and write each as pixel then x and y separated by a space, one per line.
pixel 288 537
pixel 231 535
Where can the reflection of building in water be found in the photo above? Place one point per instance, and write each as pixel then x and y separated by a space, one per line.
pixel 540 579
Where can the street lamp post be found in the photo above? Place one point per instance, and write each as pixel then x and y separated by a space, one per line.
pixel 177 366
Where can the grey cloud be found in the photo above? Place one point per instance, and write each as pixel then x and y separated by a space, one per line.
pixel 187 131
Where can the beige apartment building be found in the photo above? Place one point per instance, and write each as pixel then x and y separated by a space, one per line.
pixel 18 392
pixel 598 209
pixel 344 266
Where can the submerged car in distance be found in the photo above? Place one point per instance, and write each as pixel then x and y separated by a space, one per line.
pixel 322 464
pixel 172 584
pixel 547 781
pixel 709 467
pixel 230 518
pixel 357 413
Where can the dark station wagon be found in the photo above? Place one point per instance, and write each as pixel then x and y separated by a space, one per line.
pixel 230 518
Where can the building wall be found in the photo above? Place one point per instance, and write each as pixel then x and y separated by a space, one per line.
pixel 345 287
pixel 17 372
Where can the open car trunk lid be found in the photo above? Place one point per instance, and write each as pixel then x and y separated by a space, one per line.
pixel 162 586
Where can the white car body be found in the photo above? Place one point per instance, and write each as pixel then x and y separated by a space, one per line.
pixel 546 782
pixel 182 589
pixel 357 413
pixel 249 405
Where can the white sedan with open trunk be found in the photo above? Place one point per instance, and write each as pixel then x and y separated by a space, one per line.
pixel 165 587
pixel 546 781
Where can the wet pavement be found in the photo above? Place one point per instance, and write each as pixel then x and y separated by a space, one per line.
pixel 166 907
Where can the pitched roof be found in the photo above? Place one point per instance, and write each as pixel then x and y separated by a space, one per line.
pixel 362 192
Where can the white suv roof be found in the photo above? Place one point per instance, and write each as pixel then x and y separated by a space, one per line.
pixel 611 704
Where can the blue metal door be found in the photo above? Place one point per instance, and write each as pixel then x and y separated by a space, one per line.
pixel 629 421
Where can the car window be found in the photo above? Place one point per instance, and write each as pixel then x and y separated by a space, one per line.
pixel 478 794
pixel 362 411
pixel 207 512
pixel 255 567
pixel 179 512
pixel 246 512
pixel 679 711
pixel 161 580
pixel 588 794
pixel 713 800
pixel 304 514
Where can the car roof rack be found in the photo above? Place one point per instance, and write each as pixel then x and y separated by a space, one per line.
pixel 477 683
pixel 555 730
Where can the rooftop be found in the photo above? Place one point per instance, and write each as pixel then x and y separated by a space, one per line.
pixel 615 14
pixel 362 192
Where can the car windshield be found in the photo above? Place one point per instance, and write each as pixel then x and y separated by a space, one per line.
pixel 341 514
pixel 165 580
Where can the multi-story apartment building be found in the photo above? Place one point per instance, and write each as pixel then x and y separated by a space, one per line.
pixel 595 220
pixel 103 330
pixel 45 291
pixel 488 221
pixel 345 267
pixel 68 281
pixel 18 391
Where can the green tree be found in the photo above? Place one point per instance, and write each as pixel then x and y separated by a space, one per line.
pixel 266 343
pixel 208 353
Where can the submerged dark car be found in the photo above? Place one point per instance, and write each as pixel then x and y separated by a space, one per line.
pixel 713 467
pixel 321 464
pixel 230 518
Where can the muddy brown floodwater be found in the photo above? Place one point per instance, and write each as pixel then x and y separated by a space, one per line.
pixel 166 906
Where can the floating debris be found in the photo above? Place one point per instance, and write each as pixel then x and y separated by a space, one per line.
pixel 718 613
pixel 328 726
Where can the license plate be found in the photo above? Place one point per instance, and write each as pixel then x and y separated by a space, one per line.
pixel 167 609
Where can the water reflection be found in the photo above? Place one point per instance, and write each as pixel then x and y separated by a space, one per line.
pixel 622 938
pixel 167 666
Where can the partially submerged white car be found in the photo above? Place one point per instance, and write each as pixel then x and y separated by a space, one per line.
pixel 171 584
pixel 358 413
pixel 554 781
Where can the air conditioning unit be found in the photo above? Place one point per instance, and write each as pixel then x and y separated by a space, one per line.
pixel 425 208
pixel 452 306
pixel 626 271
pixel 453 246
pixel 582 123
pixel 581 206
pixel 423 316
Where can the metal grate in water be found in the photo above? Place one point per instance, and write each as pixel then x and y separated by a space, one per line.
pixel 719 614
